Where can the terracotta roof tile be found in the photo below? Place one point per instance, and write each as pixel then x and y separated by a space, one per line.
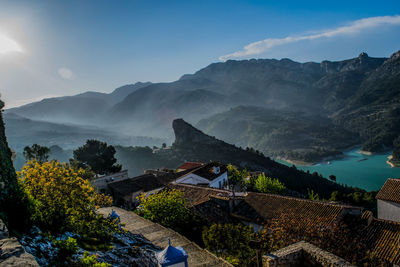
pixel 384 238
pixel 190 165
pixel 265 207
pixel 198 194
pixel 390 191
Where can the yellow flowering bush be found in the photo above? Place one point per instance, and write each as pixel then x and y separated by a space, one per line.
pixel 62 199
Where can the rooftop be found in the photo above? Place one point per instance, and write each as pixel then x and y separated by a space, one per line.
pixel 390 191
pixel 207 170
pixel 260 208
pixel 190 165
pixel 384 238
pixel 145 182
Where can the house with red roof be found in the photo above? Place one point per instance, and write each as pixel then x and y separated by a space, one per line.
pixel 212 174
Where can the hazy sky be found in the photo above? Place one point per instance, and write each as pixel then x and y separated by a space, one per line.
pixel 52 48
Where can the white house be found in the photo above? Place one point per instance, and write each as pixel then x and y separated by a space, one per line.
pixel 101 182
pixel 211 174
pixel 388 199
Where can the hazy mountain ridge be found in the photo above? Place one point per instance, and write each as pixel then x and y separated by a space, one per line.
pixel 278 133
pixel 193 145
pixel 87 108
pixel 22 132
pixel 360 95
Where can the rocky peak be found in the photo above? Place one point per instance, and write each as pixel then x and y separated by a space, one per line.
pixel 363 55
pixel 394 57
pixel 186 134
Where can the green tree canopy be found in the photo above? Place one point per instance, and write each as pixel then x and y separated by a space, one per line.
pixel 230 241
pixel 168 207
pixel 37 152
pixel 99 156
pixel 266 184
pixel 62 200
pixel 235 175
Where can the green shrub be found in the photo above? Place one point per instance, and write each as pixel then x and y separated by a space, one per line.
pixel 265 184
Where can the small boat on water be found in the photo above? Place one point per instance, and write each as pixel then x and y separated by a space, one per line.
pixel 329 163
pixel 361 159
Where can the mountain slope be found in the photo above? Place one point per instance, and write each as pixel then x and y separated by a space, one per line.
pixel 193 145
pixel 285 134
pixel 360 95
pixel 88 108
pixel 67 136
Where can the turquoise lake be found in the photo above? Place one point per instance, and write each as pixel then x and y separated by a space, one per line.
pixel 369 174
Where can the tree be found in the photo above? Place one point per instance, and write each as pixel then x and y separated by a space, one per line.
pixel 332 177
pixel 230 241
pixel 62 200
pixel 164 145
pixel 37 152
pixel 396 150
pixel 235 176
pixel 312 195
pixel 265 184
pixel 169 208
pixel 99 156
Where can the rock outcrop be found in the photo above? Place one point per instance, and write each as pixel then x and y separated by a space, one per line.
pixel 11 251
pixel 186 134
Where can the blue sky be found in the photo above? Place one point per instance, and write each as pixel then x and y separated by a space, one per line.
pixel 74 46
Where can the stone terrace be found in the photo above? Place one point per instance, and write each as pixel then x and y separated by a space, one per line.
pixel 158 235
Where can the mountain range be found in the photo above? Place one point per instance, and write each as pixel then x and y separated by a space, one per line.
pixel 301 111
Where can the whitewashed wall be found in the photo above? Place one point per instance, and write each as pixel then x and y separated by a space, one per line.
pixel 388 210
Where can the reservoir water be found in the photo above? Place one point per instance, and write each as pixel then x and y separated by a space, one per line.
pixel 355 169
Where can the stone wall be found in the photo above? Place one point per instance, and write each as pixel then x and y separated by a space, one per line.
pixel 303 254
pixel 11 251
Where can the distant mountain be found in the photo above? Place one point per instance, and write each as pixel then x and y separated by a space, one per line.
pixel 358 95
pixel 193 145
pixel 22 132
pixel 279 133
pixel 88 108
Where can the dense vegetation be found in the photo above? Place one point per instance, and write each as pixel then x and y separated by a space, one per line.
pixel 396 152
pixel 171 209
pixel 99 156
pixel 63 201
pixel 37 152
pixel 231 241
pixel 280 133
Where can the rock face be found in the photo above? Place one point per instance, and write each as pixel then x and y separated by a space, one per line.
pixel 11 251
pixel 186 134
pixel 12 206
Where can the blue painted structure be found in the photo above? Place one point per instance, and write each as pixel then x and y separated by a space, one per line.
pixel 172 255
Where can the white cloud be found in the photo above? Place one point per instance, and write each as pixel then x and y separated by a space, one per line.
pixel 66 73
pixel 354 27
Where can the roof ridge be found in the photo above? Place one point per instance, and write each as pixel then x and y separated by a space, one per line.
pixel 386 221
pixel 307 200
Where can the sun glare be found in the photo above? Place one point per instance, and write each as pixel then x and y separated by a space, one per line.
pixel 8 45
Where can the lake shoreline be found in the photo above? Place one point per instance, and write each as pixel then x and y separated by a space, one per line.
pixel 392 165
pixel 355 169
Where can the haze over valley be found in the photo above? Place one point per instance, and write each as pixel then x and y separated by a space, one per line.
pixel 305 112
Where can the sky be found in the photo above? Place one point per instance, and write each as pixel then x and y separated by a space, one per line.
pixel 55 48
